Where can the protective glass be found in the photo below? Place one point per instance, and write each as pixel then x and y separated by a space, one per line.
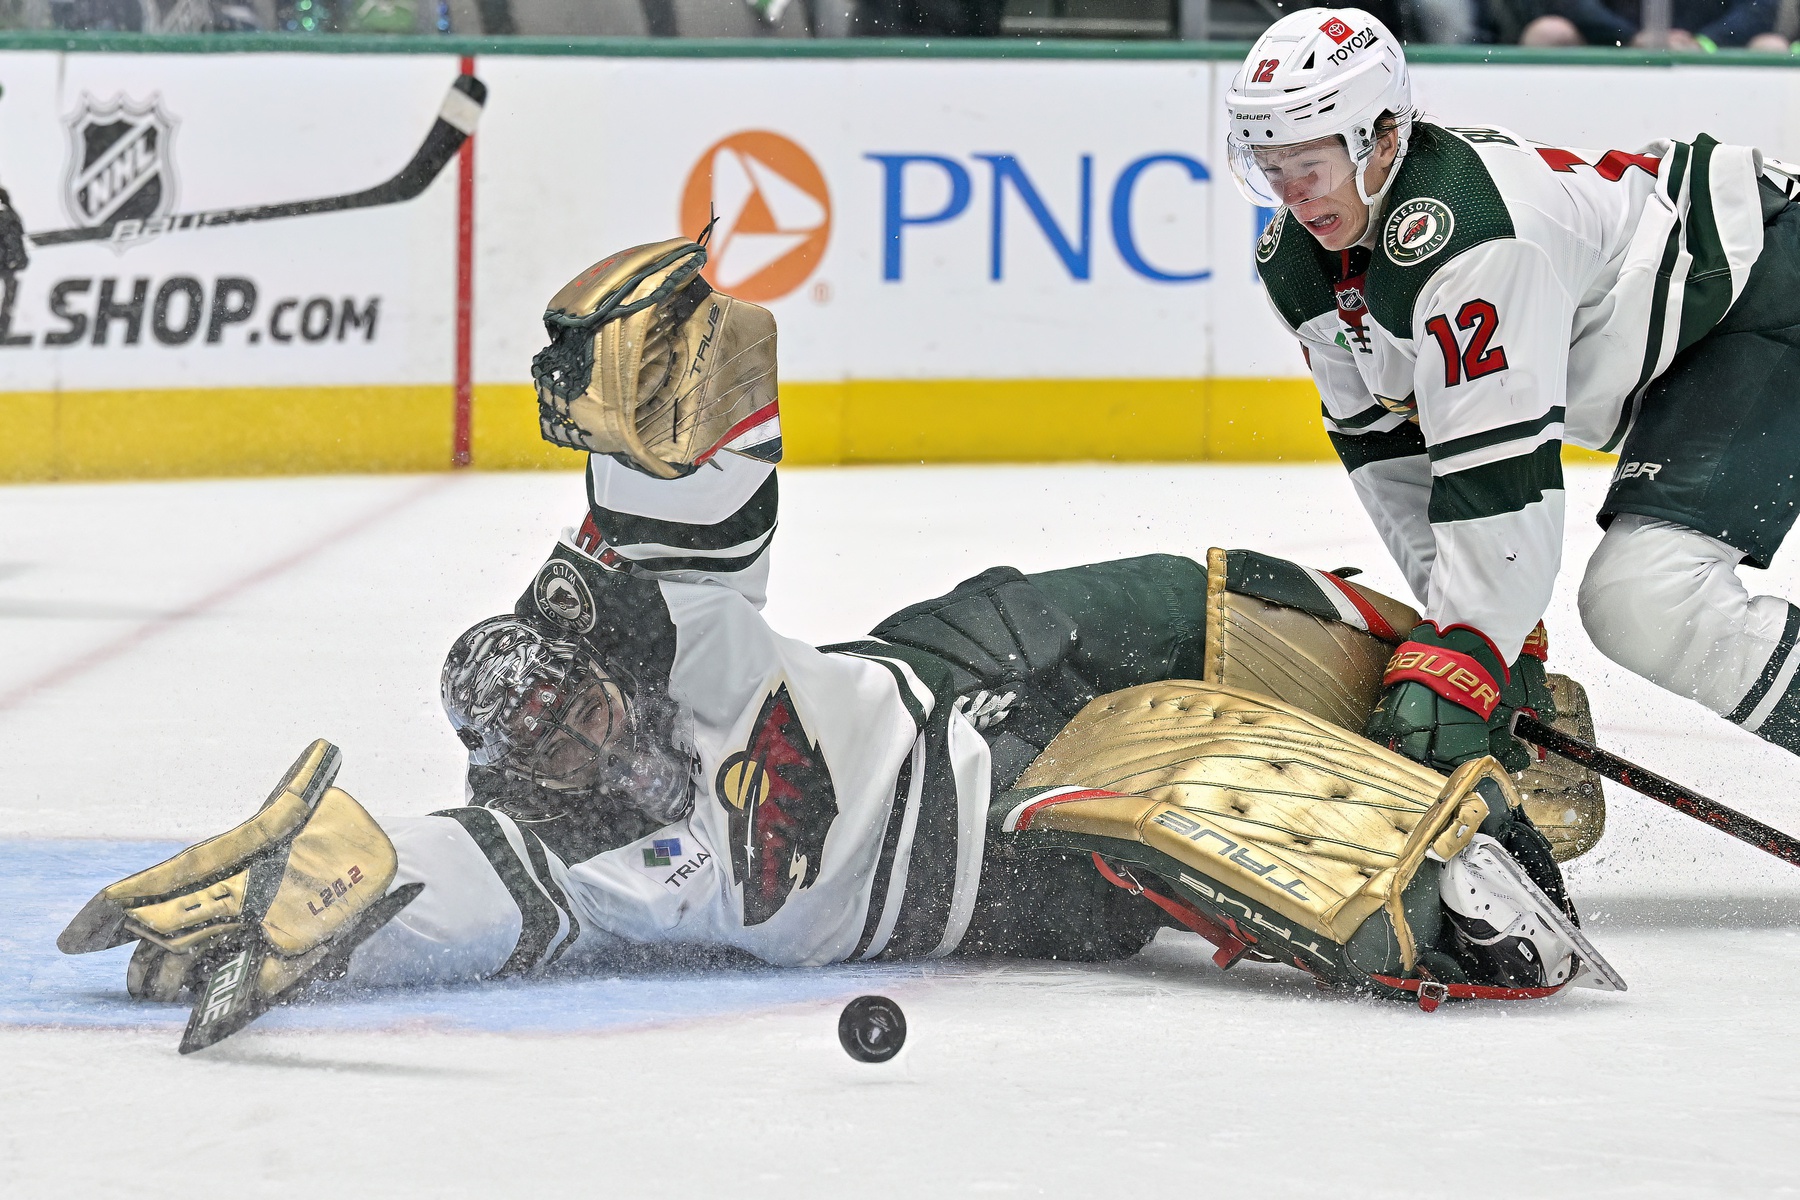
pixel 1283 176
pixel 546 712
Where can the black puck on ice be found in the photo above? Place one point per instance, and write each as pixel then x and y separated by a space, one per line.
pixel 872 1029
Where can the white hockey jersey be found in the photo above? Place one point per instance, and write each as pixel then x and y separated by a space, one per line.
pixel 1511 296
pixel 840 804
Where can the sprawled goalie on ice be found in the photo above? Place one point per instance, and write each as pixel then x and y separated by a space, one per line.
pixel 1052 765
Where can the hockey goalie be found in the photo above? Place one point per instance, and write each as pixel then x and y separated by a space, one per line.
pixel 1051 765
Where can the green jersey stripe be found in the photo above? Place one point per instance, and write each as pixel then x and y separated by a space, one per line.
pixel 538 919
pixel 1494 437
pixel 1496 488
pixel 1360 420
pixel 1707 293
pixel 1770 670
pixel 1358 450
pixel 1659 305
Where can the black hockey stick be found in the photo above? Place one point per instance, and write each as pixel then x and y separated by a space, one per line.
pixel 1681 799
pixel 455 122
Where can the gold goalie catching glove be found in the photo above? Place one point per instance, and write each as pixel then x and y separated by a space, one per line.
pixel 647 361
pixel 246 919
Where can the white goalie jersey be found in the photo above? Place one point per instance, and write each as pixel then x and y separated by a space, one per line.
pixel 1511 296
pixel 839 806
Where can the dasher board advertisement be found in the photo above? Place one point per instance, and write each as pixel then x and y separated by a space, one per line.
pixel 1003 258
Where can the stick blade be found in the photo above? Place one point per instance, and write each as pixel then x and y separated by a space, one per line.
pixel 227 1003
pixel 231 998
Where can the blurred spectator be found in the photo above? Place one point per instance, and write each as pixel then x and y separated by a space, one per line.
pixel 927 18
pixel 1451 22
pixel 496 16
pixel 157 16
pixel 1694 24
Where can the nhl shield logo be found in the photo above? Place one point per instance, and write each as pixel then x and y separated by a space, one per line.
pixel 120 167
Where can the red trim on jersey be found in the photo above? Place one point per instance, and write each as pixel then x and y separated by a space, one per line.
pixel 771 409
pixel 1377 624
pixel 1537 643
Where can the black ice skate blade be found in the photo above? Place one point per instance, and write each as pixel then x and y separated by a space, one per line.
pixel 230 1001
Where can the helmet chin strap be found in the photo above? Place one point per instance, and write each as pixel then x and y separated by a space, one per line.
pixel 1402 134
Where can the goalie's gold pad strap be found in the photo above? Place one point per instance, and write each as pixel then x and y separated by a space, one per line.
pixel 101 923
pixel 1322 826
pixel 1328 668
pixel 1563 798
pixel 668 385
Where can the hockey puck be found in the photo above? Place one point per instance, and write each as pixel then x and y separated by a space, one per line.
pixel 872 1029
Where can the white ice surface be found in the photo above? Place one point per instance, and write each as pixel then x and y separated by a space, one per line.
pixel 165 650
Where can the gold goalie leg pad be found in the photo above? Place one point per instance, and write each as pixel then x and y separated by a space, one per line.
pixel 247 918
pixel 1305 842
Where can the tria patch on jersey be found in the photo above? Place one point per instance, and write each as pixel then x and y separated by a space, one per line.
pixel 670 856
pixel 779 799
pixel 1417 230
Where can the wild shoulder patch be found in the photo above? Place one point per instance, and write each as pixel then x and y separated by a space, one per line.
pixel 1416 230
pixel 563 597
pixel 1270 241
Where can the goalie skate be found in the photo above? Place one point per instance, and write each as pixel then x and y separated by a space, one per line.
pixel 1501 915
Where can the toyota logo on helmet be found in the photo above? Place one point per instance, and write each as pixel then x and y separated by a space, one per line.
pixel 1315 74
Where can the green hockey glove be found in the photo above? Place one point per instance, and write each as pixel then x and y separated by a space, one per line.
pixel 1526 690
pixel 1442 694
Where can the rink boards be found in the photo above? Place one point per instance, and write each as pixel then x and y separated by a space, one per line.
pixel 1027 257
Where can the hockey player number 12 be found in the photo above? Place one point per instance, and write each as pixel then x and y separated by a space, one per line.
pixel 1477 358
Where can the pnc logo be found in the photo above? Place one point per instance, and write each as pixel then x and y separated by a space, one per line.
pixel 774 214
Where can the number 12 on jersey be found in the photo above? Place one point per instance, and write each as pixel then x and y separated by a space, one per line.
pixel 1477 358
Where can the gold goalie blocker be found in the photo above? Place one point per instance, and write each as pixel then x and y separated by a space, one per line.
pixel 257 913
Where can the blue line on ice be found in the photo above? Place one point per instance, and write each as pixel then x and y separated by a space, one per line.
pixel 44 883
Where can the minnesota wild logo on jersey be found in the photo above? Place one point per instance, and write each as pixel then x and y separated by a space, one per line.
pixel 1418 229
pixel 780 800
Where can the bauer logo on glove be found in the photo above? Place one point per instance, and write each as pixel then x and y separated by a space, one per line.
pixel 1451 675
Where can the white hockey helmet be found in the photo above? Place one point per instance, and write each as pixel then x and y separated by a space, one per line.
pixel 1315 75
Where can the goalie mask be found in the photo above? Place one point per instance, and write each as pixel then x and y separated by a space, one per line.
pixel 647 362
pixel 546 712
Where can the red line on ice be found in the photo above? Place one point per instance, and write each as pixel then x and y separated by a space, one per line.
pixel 81 664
